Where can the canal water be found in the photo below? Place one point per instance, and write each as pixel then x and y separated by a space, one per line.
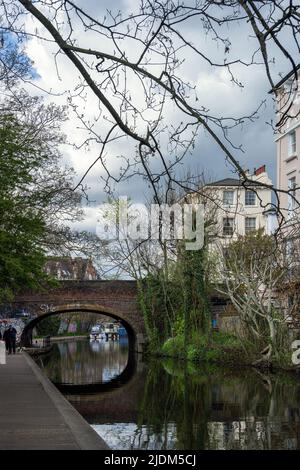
pixel 168 405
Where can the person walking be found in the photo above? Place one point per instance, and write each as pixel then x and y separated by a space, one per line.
pixel 13 339
pixel 10 336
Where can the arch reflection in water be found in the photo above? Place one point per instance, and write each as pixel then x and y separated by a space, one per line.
pixel 77 363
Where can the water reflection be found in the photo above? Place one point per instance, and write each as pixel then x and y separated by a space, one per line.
pixel 86 362
pixel 166 405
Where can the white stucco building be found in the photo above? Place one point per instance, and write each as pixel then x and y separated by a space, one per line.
pixel 288 144
pixel 236 208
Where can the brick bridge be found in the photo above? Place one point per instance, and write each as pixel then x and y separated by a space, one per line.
pixel 117 299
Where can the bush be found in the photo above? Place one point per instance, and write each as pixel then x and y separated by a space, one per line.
pixel 213 355
pixel 201 347
pixel 194 353
pixel 225 339
pixel 174 347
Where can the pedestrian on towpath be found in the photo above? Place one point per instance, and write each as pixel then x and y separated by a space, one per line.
pixel 10 336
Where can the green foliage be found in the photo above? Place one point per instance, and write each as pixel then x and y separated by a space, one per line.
pixel 194 353
pixel 178 328
pixel 212 347
pixel 174 302
pixel 225 339
pixel 35 192
pixel 21 257
pixel 48 326
pixel 192 266
pixel 202 348
pixel 213 355
pixel 146 301
pixel 174 347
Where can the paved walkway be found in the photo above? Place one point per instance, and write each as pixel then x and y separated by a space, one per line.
pixel 34 415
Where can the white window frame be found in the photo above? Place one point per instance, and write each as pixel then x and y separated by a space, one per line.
pixel 228 226
pixel 228 191
pixel 250 192
pixel 292 143
pixel 292 184
pixel 249 229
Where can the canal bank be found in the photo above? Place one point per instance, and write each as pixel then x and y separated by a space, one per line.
pixel 34 415
pixel 56 339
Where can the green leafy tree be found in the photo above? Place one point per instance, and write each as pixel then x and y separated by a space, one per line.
pixel 35 194
pixel 21 226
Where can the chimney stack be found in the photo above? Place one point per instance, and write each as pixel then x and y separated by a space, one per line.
pixel 261 169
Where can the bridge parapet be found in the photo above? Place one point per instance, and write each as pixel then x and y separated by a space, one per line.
pixel 117 299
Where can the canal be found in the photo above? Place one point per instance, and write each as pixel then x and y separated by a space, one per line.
pixel 163 404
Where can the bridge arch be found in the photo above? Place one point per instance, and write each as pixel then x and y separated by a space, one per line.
pixel 116 298
pixel 134 336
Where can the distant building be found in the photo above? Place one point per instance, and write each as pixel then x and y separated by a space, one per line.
pixel 288 143
pixel 237 207
pixel 79 269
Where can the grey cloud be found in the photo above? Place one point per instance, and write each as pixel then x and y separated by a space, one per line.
pixel 256 137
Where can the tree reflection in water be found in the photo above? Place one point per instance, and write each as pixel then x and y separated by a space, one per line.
pixel 213 408
pixel 170 405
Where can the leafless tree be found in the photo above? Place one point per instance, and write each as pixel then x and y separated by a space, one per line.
pixel 133 63
pixel 255 275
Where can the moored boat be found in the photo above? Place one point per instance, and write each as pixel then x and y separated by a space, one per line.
pixel 96 333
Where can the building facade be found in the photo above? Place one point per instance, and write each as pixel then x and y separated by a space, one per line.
pixel 288 144
pixel 288 182
pixel 239 208
pixel 66 268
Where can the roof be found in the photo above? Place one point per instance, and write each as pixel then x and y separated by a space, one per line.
pixel 284 79
pixel 68 268
pixel 233 182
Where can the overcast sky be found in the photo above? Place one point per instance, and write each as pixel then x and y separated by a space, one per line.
pixel 215 91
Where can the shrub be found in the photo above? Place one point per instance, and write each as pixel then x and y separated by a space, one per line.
pixel 174 347
pixel 225 339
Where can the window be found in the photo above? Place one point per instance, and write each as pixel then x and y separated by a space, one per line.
pixel 228 198
pixel 250 198
pixel 228 223
pixel 292 143
pixel 292 193
pixel 250 224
